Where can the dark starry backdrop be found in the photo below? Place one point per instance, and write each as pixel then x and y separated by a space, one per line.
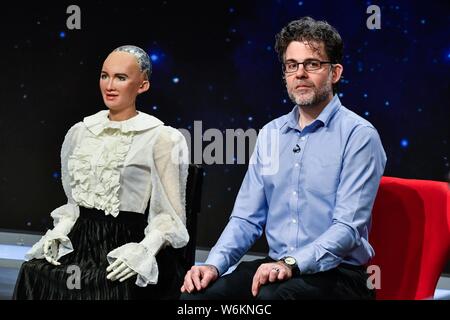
pixel 213 62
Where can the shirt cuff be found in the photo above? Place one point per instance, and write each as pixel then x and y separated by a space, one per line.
pixel 218 262
pixel 37 250
pixel 138 259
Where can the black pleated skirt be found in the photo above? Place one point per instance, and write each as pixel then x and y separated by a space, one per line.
pixel 93 236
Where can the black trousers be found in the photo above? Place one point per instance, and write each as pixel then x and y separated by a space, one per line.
pixel 344 282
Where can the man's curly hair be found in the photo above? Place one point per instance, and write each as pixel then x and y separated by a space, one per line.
pixel 313 32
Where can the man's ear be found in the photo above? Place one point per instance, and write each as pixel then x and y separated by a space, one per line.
pixel 145 85
pixel 337 72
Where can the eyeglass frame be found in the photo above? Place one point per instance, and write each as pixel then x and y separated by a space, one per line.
pixel 283 65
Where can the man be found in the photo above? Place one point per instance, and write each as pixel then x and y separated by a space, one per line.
pixel 316 207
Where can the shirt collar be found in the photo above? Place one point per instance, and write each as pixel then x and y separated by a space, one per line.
pixel 329 111
pixel 96 123
pixel 324 117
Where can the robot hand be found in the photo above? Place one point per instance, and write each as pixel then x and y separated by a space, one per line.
pixel 51 251
pixel 119 270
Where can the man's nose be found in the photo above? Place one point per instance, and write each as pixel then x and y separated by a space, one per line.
pixel 301 72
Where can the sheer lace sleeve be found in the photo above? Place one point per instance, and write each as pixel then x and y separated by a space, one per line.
pixel 65 216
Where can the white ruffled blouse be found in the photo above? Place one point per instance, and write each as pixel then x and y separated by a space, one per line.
pixel 123 166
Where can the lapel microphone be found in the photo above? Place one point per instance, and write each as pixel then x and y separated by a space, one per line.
pixel 296 149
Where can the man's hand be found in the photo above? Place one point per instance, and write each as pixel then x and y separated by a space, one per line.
pixel 199 277
pixel 118 270
pixel 272 272
pixel 51 251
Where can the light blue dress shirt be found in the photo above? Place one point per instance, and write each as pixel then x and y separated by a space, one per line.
pixel 311 191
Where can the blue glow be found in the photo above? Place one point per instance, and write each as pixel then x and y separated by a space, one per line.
pixel 365 95
pixel 341 95
pixel 387 103
pixel 155 107
pixel 404 143
pixel 154 57
pixel 55 175
pixel 16 252
pixel 176 80
pixel 300 3
pixel 62 34
pixel 366 113
pixel 250 118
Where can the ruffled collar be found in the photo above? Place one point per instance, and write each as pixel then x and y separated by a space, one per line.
pixel 98 122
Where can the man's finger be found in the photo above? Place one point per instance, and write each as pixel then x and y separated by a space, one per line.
pixel 273 275
pixel 282 275
pixel 188 285
pixel 264 277
pixel 196 279
pixel 207 278
pixel 255 283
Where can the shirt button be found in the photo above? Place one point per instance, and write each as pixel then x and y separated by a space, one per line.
pixel 296 164
pixel 294 192
pixel 291 248
pixel 302 138
pixel 294 221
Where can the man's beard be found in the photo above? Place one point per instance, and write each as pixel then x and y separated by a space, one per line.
pixel 314 97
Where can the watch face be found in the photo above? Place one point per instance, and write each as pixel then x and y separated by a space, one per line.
pixel 290 261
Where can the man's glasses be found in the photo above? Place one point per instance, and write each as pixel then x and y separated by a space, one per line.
pixel 309 65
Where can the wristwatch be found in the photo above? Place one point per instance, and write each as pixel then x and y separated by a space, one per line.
pixel 291 263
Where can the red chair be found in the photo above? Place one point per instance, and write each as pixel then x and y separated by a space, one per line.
pixel 411 236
